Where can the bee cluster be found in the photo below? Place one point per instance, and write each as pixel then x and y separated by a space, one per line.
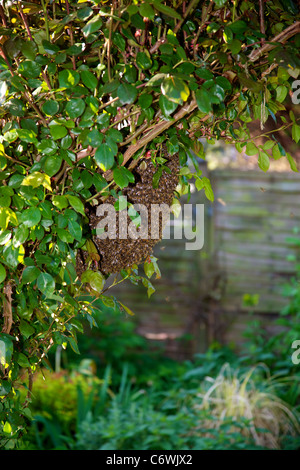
pixel 113 255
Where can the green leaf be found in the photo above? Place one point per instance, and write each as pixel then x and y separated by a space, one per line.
pixel 75 229
pixel 92 26
pixel 95 279
pixel 65 236
pixel 2 273
pixel 16 107
pixel 52 164
pixel 75 107
pixel 26 329
pixel 203 100
pixel 120 177
pixel 30 274
pixel 292 162
pixel 30 217
pixel 94 138
pixel 127 310
pixel 20 235
pixel 251 149
pixel 145 100
pixel 7 429
pixel 166 10
pixel 76 204
pixel 296 132
pixel 50 107
pixel 167 106
pixel 68 78
pixel 30 69
pixel 217 93
pixel 50 48
pixel 58 131
pixel 263 161
pixel 281 92
pixel 89 79
pixel 73 344
pixel 228 35
pixel 6 349
pixel 29 50
pixel 127 93
pixel 47 146
pixel 104 157
pixel 46 284
pixel 175 89
pixel 149 269
pixel 156 80
pixel 146 11
pixel 61 202
pixel 143 61
pixel 27 135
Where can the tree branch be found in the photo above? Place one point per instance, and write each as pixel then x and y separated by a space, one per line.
pixel 7 308
pixel 281 37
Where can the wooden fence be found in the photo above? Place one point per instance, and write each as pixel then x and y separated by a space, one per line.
pixel 201 295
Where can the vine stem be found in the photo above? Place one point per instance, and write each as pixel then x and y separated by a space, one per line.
pixel 7 308
pixel 287 33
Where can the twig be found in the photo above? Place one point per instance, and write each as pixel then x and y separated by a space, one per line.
pixel 281 37
pixel 109 44
pixel 7 308
pixel 261 19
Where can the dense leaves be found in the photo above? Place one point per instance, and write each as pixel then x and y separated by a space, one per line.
pixel 85 87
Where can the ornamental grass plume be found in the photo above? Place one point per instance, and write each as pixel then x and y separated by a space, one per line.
pixel 240 397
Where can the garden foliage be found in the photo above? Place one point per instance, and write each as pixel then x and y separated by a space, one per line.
pixel 87 90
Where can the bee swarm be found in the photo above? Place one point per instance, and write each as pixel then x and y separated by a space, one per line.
pixel 117 254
